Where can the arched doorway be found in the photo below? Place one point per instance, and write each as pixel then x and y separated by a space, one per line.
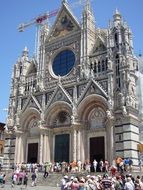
pixel 33 137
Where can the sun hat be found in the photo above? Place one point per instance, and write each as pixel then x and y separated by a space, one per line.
pixel 75 179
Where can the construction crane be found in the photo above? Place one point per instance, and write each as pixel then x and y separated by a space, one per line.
pixel 37 20
pixel 41 18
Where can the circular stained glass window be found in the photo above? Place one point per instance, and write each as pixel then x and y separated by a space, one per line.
pixel 63 62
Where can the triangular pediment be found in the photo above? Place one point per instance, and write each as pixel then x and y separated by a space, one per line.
pixel 31 102
pixel 92 88
pixel 65 23
pixel 60 94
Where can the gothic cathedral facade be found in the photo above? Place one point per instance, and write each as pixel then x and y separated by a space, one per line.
pixel 77 100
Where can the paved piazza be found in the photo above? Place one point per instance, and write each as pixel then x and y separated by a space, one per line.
pixel 18 187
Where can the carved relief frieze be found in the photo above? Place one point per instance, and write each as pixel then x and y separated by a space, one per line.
pixel 32 103
pixel 93 90
pixel 96 118
pixel 60 96
pixel 23 102
pixel 104 85
pixel 63 43
pixel 39 98
pixel 48 96
pixel 70 91
pixel 80 89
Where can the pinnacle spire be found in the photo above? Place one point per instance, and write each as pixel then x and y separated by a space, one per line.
pixel 64 1
pixel 117 12
pixel 117 15
pixel 25 52
pixel 88 5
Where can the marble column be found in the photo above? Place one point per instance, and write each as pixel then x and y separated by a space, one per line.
pixel 22 149
pixel 110 140
pixel 46 151
pixel 44 148
pixel 78 144
pixel 82 147
pixel 74 144
pixel 19 150
pixel 41 148
pixel 16 149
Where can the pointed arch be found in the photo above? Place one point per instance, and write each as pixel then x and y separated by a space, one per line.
pixel 55 111
pixel 89 103
pixel 29 115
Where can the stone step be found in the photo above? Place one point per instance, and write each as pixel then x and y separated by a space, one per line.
pixel 54 179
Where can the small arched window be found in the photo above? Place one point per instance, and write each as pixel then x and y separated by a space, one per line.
pixel 103 66
pixel 99 67
pixel 116 38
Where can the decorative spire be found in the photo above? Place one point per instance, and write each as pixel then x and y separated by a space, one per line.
pixel 25 52
pixel 117 12
pixel 87 5
pixel 64 1
pixel 117 16
pixel 25 55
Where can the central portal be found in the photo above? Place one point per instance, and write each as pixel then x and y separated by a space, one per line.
pixel 32 153
pixel 62 148
pixel 97 150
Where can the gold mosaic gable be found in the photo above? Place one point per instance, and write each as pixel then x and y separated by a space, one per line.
pixel 64 24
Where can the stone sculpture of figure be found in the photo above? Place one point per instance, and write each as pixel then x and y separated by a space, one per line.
pixel 17 119
pixel 120 100
pixel 109 115
pixel 6 128
pixel 121 103
pixel 124 110
pixel 128 100
pixel 15 128
pixel 72 119
pixel 109 64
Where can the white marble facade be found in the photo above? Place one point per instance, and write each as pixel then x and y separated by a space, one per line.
pixel 90 107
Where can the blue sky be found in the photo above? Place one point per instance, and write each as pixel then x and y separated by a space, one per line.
pixel 12 42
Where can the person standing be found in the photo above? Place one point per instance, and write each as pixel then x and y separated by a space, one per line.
pixel 129 185
pixel 33 179
pixel 75 184
pixel 46 170
pixel 25 181
pixel 64 182
pixel 106 182
pixel 95 165
pixel 101 164
pixel 4 179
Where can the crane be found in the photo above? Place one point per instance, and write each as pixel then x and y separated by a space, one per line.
pixel 41 18
pixel 38 20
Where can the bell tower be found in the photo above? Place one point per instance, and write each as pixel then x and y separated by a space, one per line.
pixel 124 66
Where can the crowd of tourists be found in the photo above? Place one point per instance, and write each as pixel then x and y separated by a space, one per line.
pixel 78 175
pixel 102 182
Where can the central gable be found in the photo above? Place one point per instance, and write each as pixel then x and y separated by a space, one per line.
pixel 65 23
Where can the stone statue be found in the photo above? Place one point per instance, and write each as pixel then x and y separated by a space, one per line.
pixel 108 113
